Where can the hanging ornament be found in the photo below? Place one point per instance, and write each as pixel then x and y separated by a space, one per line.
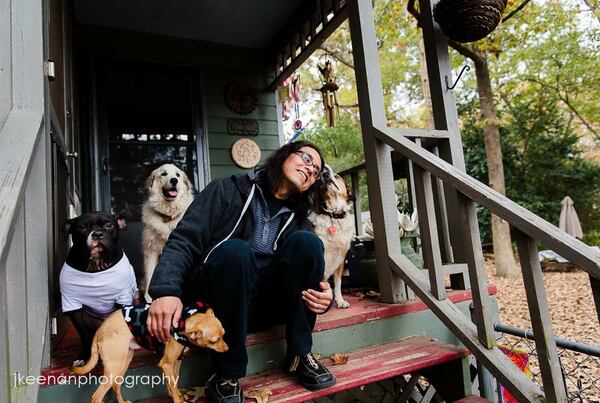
pixel 295 95
pixel 328 90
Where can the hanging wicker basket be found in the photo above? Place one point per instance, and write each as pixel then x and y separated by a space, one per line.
pixel 468 20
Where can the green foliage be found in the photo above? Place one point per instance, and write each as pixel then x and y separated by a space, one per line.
pixel 341 145
pixel 542 162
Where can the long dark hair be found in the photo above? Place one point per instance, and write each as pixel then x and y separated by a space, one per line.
pixel 273 174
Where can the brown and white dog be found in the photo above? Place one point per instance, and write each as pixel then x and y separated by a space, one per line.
pixel 169 195
pixel 112 344
pixel 335 227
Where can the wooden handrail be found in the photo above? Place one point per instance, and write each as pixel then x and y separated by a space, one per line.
pixel 537 228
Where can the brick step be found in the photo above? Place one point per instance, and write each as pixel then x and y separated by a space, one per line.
pixel 364 366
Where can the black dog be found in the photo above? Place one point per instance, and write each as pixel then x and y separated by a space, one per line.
pixel 97 277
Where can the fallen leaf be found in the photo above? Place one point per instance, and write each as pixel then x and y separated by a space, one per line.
pixel 339 359
pixel 372 294
pixel 260 395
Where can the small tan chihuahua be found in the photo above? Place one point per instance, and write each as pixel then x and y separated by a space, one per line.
pixel 112 340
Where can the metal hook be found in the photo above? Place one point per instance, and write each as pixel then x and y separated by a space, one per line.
pixel 466 67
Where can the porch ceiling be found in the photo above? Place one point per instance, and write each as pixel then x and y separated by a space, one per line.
pixel 250 24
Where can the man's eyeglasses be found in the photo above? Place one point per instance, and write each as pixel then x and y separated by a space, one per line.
pixel 308 160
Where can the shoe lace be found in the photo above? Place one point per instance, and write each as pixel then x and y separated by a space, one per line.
pixel 312 361
pixel 231 382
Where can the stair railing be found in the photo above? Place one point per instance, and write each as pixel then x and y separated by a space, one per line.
pixel 461 192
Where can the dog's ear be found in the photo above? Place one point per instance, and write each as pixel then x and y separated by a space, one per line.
pixel 195 334
pixel 187 182
pixel 121 223
pixel 316 199
pixel 67 229
pixel 150 181
pixel 210 312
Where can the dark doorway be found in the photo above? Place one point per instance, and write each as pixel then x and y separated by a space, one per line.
pixel 147 115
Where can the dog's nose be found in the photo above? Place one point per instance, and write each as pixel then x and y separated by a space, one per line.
pixel 97 234
pixel 174 181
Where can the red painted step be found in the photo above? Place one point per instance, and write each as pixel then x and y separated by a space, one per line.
pixel 360 311
pixel 472 399
pixel 364 366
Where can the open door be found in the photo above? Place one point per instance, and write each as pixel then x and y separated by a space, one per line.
pixel 147 115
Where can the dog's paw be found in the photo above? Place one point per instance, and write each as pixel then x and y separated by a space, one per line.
pixel 343 304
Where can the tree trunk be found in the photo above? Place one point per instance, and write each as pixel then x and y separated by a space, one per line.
pixel 503 254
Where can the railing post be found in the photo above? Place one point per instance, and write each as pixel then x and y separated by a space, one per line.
pixel 482 313
pixel 357 209
pixel 541 321
pixel 428 228
pixel 595 285
pixel 378 160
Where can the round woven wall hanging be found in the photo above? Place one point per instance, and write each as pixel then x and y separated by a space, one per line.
pixel 240 98
pixel 468 20
pixel 245 153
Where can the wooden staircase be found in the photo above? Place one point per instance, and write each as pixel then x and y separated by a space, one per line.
pixel 382 341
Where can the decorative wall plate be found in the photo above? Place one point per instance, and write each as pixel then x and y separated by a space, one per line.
pixel 240 98
pixel 245 153
pixel 243 127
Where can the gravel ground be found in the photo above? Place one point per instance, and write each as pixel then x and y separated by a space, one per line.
pixel 573 317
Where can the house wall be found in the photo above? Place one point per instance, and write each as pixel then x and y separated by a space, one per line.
pixel 24 238
pixel 5 62
pixel 218 66
pixel 217 113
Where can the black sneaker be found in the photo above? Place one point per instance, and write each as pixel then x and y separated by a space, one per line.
pixel 310 373
pixel 221 390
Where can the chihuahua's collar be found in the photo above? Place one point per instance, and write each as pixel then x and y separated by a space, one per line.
pixel 337 216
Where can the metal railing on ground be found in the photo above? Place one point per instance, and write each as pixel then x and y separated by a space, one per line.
pixel 580 362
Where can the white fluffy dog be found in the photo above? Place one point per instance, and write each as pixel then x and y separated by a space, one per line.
pixel 169 195
pixel 334 226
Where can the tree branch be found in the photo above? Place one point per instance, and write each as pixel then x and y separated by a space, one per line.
pixel 410 7
pixel 566 101
pixel 337 56
pixel 465 51
pixel 516 10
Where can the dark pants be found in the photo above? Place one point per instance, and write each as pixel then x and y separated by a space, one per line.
pixel 244 296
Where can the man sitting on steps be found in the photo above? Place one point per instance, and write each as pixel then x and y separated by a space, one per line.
pixel 246 248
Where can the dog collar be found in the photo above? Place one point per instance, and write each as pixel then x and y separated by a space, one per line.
pixel 337 216
pixel 167 218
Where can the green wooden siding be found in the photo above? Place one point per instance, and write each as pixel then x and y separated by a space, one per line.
pixel 217 113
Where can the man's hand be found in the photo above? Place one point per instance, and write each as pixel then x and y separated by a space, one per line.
pixel 318 301
pixel 163 313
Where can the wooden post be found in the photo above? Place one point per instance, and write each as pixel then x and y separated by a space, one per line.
pixel 428 229
pixel 482 314
pixel 595 284
pixel 541 321
pixel 357 209
pixel 378 160
pixel 442 217
pixel 445 116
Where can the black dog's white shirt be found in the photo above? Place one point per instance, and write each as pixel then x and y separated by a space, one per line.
pixel 99 291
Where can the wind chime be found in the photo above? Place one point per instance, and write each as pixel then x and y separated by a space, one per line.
pixel 328 90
